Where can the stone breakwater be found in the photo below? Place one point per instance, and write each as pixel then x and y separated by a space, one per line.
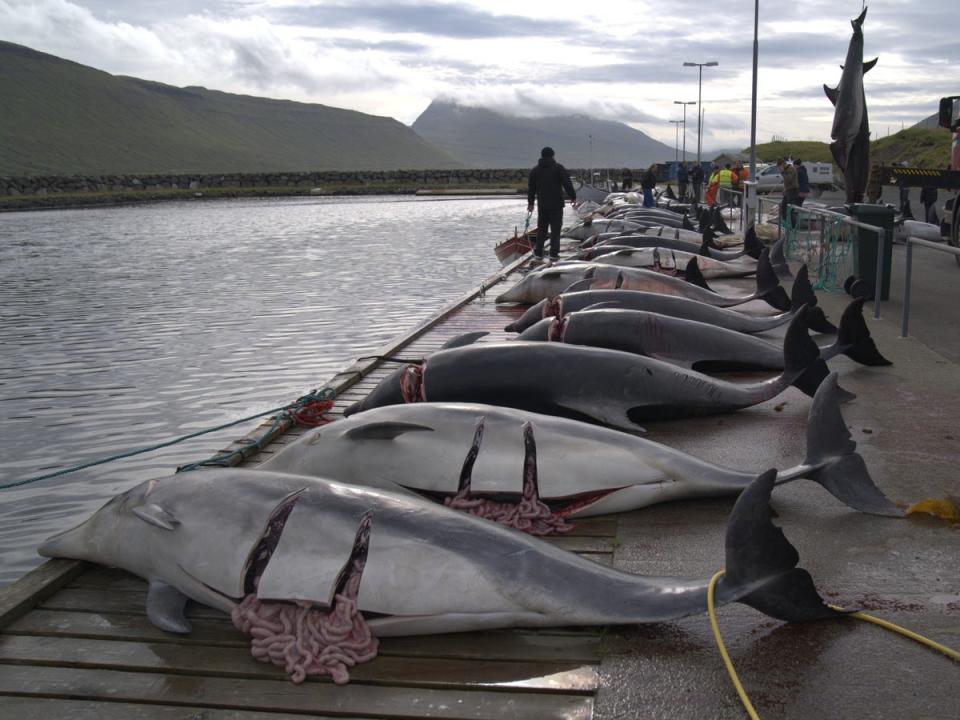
pixel 40 185
pixel 301 181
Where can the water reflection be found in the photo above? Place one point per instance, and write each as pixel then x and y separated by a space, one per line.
pixel 124 327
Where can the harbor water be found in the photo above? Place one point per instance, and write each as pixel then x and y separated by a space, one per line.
pixel 121 328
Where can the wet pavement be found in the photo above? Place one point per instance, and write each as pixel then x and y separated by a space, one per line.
pixel 906 423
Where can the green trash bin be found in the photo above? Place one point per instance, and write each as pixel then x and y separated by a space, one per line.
pixel 865 245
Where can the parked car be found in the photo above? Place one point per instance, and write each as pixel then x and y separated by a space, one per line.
pixel 820 176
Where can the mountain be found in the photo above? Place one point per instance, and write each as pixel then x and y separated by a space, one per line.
pixel 61 118
pixel 482 138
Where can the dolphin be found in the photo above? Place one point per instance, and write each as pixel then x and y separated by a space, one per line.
pixel 697 242
pixel 851 128
pixel 587 228
pixel 553 281
pixel 609 387
pixel 234 538
pixel 645 257
pixel 569 302
pixel 583 470
pixel 694 344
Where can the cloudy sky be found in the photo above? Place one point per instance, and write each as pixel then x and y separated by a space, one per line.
pixel 615 60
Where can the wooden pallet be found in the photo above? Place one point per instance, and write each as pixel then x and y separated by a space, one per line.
pixel 75 641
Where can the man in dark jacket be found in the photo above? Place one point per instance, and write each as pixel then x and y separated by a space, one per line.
pixel 548 181
pixel 696 178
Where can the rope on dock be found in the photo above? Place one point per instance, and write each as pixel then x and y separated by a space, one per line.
pixel 307 410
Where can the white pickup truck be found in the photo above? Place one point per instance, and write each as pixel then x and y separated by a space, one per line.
pixel 820 176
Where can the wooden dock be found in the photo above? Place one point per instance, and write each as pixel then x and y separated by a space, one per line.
pixel 75 641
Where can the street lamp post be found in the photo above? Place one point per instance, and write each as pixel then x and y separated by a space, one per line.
pixel 751 209
pixel 689 102
pixel 676 145
pixel 711 63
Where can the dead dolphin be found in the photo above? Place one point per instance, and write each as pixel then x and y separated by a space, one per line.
pixel 652 256
pixel 422 568
pixel 582 470
pixel 851 128
pixel 569 302
pixel 553 281
pixel 590 227
pixel 610 387
pixel 697 345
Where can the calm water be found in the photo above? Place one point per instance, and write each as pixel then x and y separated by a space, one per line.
pixel 124 327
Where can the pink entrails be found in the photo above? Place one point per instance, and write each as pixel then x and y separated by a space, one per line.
pixel 304 640
pixel 531 515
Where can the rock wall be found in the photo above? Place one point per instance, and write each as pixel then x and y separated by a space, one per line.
pixel 14 186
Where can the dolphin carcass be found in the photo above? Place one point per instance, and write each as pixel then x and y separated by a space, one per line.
pixel 574 469
pixel 314 570
pixel 851 128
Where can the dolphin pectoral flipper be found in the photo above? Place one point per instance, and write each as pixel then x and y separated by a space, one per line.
pixel 758 555
pixel 832 93
pixel 867 66
pixel 165 607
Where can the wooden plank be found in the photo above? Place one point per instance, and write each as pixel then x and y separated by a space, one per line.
pixel 516 645
pixel 38 584
pixel 237 662
pixel 355 699
pixel 35 708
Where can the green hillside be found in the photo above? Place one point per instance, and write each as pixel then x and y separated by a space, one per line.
pixel 63 118
pixel 920 147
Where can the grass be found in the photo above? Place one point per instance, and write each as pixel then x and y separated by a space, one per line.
pixel 920 147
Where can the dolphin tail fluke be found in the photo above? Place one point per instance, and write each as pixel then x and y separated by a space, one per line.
pixel 686 224
pixel 751 243
pixel 802 294
pixel 779 260
pixel 759 556
pixel 768 284
pixel 854 339
pixel 842 471
pixel 801 356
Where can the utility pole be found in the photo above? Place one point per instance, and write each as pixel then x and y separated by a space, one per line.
pixel 701 66
pixel 676 146
pixel 680 102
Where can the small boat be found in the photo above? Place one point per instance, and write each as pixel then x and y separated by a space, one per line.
pixel 513 248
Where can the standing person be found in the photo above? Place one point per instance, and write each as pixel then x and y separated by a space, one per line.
pixel 743 174
pixel 547 183
pixel 737 182
pixel 725 180
pixel 713 184
pixel 626 180
pixel 696 178
pixel 683 177
pixel 803 182
pixel 648 181
pixel 791 188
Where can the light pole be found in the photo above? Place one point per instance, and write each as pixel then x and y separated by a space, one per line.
pixel 590 169
pixel 711 63
pixel 689 102
pixel 753 114
pixel 676 146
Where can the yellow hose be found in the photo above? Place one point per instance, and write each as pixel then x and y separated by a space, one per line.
pixel 711 610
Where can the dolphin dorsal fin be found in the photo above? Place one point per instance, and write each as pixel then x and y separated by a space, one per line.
pixel 831 93
pixel 384 430
pixel 157 516
pixel 463 340
pixel 165 606
pixel 868 66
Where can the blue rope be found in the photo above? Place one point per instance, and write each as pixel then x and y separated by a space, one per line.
pixel 323 394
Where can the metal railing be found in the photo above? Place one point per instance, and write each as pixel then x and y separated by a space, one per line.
pixel 809 240
pixel 911 241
